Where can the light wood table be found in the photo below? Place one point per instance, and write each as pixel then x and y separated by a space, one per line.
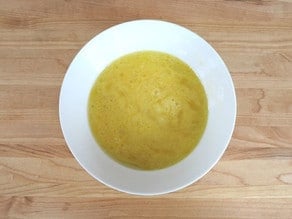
pixel 39 178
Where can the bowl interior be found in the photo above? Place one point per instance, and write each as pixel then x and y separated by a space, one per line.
pixel 147 35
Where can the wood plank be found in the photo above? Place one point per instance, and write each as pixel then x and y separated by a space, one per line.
pixel 276 12
pixel 248 142
pixel 64 178
pixel 43 207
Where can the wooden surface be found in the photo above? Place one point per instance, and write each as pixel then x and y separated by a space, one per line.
pixel 39 178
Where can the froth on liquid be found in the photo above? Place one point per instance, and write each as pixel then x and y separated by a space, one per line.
pixel 147 110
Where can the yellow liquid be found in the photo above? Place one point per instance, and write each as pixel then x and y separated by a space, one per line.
pixel 147 110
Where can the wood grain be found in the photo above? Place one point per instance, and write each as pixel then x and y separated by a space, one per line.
pixel 39 178
pixel 35 207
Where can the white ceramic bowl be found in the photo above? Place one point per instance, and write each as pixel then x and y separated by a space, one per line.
pixel 147 35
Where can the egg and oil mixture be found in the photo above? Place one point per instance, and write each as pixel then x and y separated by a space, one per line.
pixel 147 110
